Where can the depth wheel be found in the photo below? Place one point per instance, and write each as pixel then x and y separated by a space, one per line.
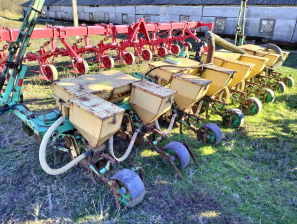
pixel 237 120
pixel 270 96
pixel 83 68
pixel 162 51
pixel 147 55
pixel 256 106
pixel 179 154
pixel 189 45
pixel 175 49
pixel 290 81
pixel 130 187
pixel 129 58
pixel 214 133
pixel 108 62
pixel 50 72
pixel 281 87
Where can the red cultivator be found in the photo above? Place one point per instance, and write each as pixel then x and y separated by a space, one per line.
pixel 145 39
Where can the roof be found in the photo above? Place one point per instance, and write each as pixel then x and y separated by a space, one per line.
pixel 46 3
pixel 164 2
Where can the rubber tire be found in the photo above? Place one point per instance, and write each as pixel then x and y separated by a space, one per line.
pixel 111 62
pixel 181 151
pixel 239 114
pixel 148 52
pixel 215 130
pixel 271 93
pixel 86 68
pixel 162 49
pixel 55 74
pixel 190 47
pixel 292 81
pixel 132 56
pixel 257 102
pixel 175 46
pixel 133 184
pixel 281 87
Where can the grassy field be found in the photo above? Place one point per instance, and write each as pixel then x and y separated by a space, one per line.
pixel 249 178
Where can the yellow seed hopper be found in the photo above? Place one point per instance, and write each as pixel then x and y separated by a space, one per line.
pixel 243 69
pixel 262 51
pixel 219 77
pixel 100 105
pixel 259 63
pixel 207 80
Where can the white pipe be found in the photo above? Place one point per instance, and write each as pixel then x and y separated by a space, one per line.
pixel 128 151
pixel 42 152
pixel 170 125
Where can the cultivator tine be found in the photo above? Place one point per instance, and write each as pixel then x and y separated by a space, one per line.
pixel 191 153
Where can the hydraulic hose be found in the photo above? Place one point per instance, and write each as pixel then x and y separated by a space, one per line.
pixel 220 41
pixel 42 152
pixel 277 50
pixel 175 66
pixel 128 151
pixel 170 125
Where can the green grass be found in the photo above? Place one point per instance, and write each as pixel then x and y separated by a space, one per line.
pixel 249 178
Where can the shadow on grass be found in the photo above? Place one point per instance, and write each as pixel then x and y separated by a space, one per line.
pixel 289 99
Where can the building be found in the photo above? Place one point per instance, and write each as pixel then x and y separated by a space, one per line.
pixel 269 19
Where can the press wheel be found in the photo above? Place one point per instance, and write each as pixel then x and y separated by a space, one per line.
pixel 214 133
pixel 130 187
pixel 179 154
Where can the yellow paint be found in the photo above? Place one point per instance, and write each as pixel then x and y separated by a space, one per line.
pixel 97 120
pixel 68 84
pixel 147 105
pixel 188 92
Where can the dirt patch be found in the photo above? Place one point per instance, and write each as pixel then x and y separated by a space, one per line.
pixel 189 207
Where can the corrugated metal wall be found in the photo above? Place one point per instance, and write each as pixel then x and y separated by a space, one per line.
pixel 275 23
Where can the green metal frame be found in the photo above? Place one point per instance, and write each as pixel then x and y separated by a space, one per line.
pixel 239 36
pixel 11 99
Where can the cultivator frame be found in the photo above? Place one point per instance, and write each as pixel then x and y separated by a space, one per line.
pixel 138 36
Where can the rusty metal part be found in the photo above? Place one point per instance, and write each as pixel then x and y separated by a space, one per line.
pixel 211 50
pixel 110 183
pixel 191 153
pixel 71 143
pixel 68 142
pixel 198 132
pixel 140 170
pixel 165 156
